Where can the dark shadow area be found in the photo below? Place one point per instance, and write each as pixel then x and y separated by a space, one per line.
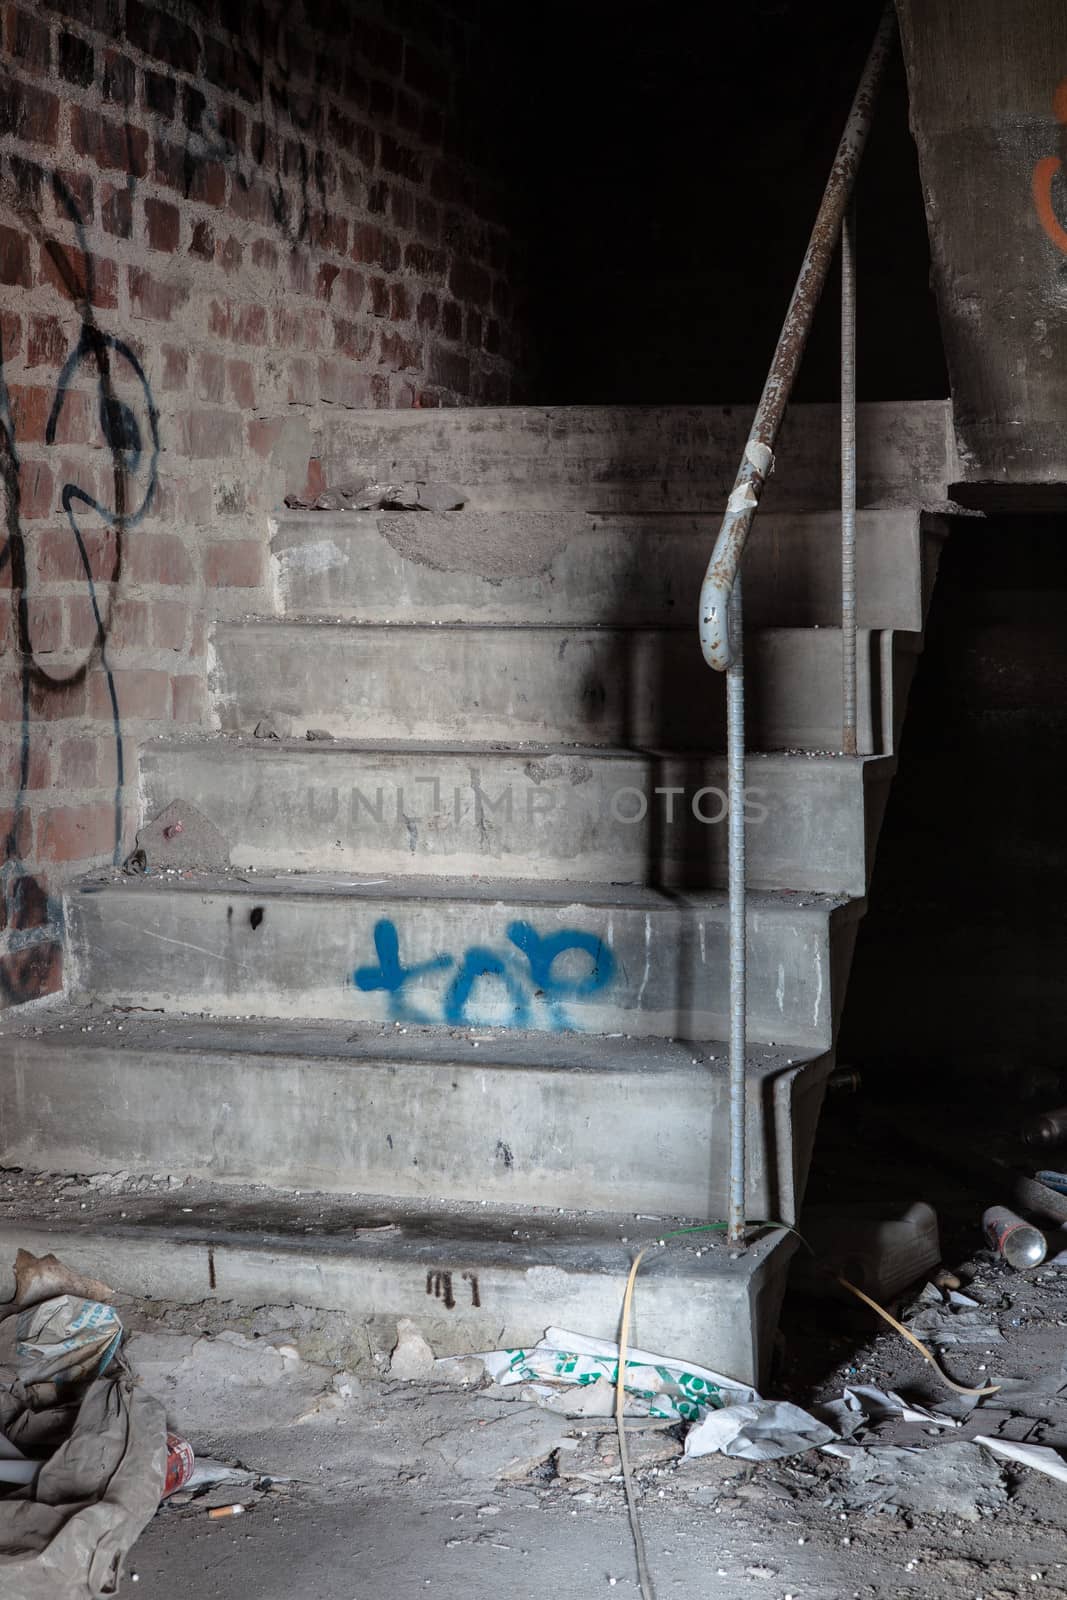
pixel 672 168
pixel 959 983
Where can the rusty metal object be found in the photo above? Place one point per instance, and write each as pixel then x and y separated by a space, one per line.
pixel 758 459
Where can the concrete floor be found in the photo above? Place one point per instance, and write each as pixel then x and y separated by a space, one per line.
pixel 375 1514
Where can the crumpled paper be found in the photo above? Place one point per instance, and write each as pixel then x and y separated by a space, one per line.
pixel 657 1386
pixel 960 1320
pixel 576 1376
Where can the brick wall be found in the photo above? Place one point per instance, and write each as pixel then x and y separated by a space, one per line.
pixel 222 223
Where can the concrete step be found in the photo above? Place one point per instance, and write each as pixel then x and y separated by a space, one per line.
pixel 505 1118
pixel 579 569
pixel 645 458
pixel 472 1279
pixel 609 686
pixel 519 954
pixel 585 815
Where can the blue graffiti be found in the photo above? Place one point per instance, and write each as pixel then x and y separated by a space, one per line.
pixel 480 963
pixel 391 976
pixel 478 968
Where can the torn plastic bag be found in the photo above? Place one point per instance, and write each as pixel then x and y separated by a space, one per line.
pixel 66 1340
pixel 66 1536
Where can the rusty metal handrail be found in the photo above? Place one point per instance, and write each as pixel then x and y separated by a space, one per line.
pixel 721 632
pixel 758 460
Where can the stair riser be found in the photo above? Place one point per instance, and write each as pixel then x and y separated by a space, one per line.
pixel 626 969
pixel 559 817
pixel 575 570
pixel 596 1140
pixel 644 688
pixel 723 1317
pixel 650 458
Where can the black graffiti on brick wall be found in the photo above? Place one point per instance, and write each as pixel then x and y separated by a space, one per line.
pixel 284 152
pixel 129 426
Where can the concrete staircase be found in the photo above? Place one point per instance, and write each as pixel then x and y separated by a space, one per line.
pixel 469 966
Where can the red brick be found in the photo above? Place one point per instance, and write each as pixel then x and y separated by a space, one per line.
pixel 28 903
pixel 164 225
pixel 352 339
pixel 235 564
pixel 156 558
pixel 379 297
pixel 175 367
pixel 241 381
pixel 303 384
pixel 371 243
pixel 264 434
pixel 78 277
pixel 469 282
pixel 427 310
pixel 202 243
pixel 76 833
pixel 75 59
pixel 169 621
pixel 210 381
pixel 29 40
pixel 265 255
pixel 450 369
pixel 73 419
pixel 130 622
pixel 208 435
pixel 153 299
pixel 116 211
pixel 15 265
pixel 32 973
pixel 424 260
pixel 353 286
pixel 36 489
pixel 119 145
pixel 55 702
pixel 160 94
pixel 30 407
pixel 140 693
pixel 10 335
pixel 230 254
pixel 58 560
pixel 44 619
pixel 397 352
pixel 315 482
pixel 31 114
pixel 119 78
pixel 82 628
pixel 161 35
pixel 253 201
pixel 77 763
pixel 325 279
pixel 249 325
pixel 187 698
pixel 399 302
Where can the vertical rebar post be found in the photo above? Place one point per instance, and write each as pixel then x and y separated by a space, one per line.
pixel 735 757
pixel 848 480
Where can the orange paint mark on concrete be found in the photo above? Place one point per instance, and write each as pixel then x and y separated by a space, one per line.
pixel 1044 173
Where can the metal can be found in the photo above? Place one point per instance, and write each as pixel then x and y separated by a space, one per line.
pixel 180 1463
pixel 1018 1242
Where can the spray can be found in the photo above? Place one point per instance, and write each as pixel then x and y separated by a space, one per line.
pixel 180 1463
pixel 1049 1129
pixel 1018 1242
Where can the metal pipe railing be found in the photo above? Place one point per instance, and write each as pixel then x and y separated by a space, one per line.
pixel 721 627
pixel 848 482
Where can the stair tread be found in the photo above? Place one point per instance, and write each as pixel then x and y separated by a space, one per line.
pixel 377 1228
pixel 97 1028
pixel 204 742
pixel 304 885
